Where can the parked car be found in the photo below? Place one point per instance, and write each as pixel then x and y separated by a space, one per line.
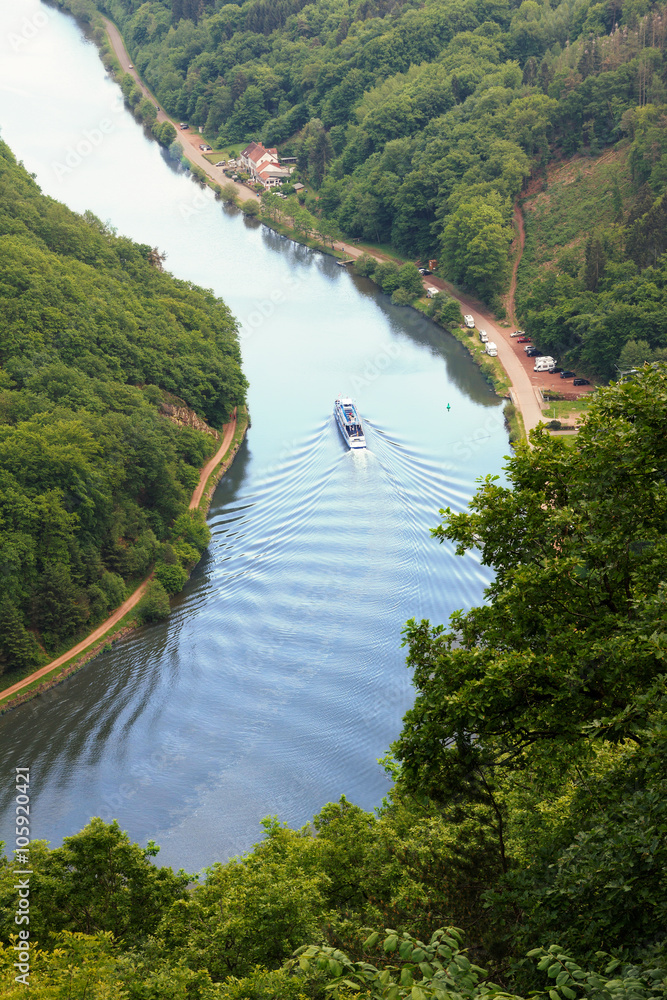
pixel 532 352
pixel 517 333
pixel 220 163
pixel 581 381
pixel 204 148
pixel 555 370
pixel 567 374
pixel 184 125
pixel 424 271
pixel 523 340
pixel 483 336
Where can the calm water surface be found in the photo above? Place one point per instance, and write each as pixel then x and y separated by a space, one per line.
pixel 279 679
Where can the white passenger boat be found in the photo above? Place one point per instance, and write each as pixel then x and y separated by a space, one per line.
pixel 349 422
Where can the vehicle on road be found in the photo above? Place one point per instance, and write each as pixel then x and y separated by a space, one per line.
pixel 567 374
pixel 581 381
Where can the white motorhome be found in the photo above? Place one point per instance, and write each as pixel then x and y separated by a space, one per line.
pixel 491 349
pixel 544 363
pixel 431 292
pixel 483 336
pixel 469 322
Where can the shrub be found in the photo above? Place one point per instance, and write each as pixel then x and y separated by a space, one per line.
pixel 172 576
pixel 154 605
pixel 228 192
pixel 387 276
pixel 249 207
pixel 410 280
pixel 401 297
pixel 365 265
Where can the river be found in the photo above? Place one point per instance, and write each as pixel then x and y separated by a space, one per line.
pixel 279 678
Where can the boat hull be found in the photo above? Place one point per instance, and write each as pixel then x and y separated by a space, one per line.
pixel 349 424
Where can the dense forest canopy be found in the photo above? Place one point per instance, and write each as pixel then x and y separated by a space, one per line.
pixel 544 836
pixel 94 339
pixel 420 123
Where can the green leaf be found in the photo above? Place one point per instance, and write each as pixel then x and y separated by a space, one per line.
pixel 554 994
pixel 405 950
pixel 391 943
pixel 567 992
pixel 372 940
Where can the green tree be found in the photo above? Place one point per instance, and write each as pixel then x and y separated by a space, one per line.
pixel 97 881
pixel 475 246
pixel 410 280
pixel 18 648
pixel 253 909
pixel 570 636
pixel 154 605
pixel 634 354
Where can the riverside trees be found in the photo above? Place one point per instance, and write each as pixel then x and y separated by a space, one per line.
pixel 94 338
pixel 554 691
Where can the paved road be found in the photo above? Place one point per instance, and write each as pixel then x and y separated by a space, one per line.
pixel 189 140
pixel 523 392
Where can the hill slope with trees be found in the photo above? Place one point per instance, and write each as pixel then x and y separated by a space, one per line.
pixel 419 123
pixel 95 482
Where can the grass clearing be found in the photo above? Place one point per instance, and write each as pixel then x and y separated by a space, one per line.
pixel 566 410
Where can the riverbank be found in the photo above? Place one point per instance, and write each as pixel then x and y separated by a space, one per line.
pixel 123 620
pixel 520 388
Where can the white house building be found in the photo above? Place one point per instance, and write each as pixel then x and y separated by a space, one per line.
pixel 263 165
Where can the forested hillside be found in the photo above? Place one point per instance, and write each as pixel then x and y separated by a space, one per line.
pixel 418 124
pixel 543 838
pixel 94 479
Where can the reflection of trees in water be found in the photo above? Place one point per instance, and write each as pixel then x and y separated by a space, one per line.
pixel 461 369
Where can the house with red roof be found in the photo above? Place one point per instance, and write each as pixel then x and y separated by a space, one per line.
pixel 263 165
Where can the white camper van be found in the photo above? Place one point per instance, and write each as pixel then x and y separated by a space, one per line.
pixel 431 292
pixel 483 336
pixel 544 363
pixel 491 349
pixel 469 322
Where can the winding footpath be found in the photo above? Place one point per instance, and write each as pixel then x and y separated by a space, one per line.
pixel 228 432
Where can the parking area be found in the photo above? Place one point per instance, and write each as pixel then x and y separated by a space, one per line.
pixel 547 381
